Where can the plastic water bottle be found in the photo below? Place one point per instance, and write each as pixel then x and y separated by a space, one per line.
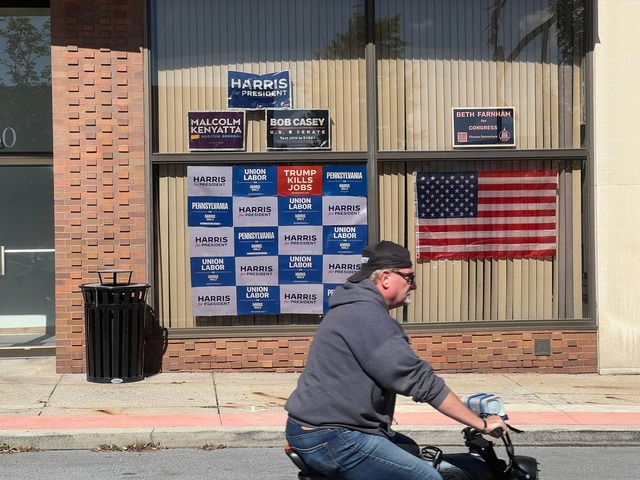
pixel 484 404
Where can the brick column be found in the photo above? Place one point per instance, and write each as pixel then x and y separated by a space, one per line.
pixel 99 156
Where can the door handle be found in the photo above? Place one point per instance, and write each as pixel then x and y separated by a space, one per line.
pixel 3 251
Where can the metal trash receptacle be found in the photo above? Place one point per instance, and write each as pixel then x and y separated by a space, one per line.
pixel 115 315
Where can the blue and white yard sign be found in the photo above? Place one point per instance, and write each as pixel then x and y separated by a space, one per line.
pixel 251 91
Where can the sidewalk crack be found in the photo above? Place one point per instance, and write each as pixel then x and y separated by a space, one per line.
pixel 215 395
pixel 47 401
pixel 531 393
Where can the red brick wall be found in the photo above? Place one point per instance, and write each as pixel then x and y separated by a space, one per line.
pixel 479 352
pixel 99 166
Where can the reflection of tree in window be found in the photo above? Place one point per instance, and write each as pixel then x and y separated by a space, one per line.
pixel 568 17
pixel 351 44
pixel 25 84
pixel 26 52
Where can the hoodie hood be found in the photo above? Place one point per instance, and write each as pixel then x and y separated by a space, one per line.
pixel 351 293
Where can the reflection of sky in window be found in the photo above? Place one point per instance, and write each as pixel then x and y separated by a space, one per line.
pixel 250 31
pixel 37 21
pixel 429 28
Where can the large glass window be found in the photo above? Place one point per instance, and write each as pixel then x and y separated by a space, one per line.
pixel 27 283
pixel 27 272
pixel 25 81
pixel 430 57
pixel 320 43
pixel 435 55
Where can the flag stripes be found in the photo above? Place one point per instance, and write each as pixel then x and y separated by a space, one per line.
pixel 492 214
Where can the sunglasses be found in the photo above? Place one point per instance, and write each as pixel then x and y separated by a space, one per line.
pixel 409 277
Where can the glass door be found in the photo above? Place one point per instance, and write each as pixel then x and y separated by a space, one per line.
pixel 27 273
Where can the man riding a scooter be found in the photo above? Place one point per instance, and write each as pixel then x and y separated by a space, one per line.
pixel 341 411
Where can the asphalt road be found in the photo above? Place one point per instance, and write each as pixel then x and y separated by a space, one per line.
pixel 556 463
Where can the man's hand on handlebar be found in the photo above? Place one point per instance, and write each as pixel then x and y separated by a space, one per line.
pixel 495 426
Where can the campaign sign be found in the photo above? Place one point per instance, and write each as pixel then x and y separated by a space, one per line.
pixel 300 269
pixel 213 301
pixel 214 242
pixel 209 181
pixel 337 268
pixel 301 298
pixel 344 211
pixel 296 240
pixel 212 271
pixel 255 181
pixel 257 270
pixel 216 130
pixel 345 239
pixel 209 211
pixel 248 211
pixel 298 129
pixel 256 241
pixel 252 91
pixel 258 300
pixel 299 180
pixel 344 180
pixel 328 290
pixel 300 210
pixel 484 127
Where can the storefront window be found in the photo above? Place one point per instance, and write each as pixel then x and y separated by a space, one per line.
pixel 27 250
pixel 427 59
pixel 480 53
pixel 195 45
pixel 25 81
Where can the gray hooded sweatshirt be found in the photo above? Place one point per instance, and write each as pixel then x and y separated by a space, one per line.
pixel 359 360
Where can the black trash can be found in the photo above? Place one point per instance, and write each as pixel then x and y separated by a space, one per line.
pixel 115 314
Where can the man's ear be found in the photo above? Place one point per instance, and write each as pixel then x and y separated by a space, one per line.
pixel 385 279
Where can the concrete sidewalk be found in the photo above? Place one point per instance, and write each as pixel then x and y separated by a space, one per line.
pixel 46 410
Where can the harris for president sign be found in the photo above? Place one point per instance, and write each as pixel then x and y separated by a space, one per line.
pixel 250 91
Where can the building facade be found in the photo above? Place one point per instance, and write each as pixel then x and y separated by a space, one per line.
pixel 407 90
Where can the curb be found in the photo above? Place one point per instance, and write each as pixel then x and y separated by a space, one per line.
pixel 273 437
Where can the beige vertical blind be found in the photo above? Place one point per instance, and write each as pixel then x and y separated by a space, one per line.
pixel 195 44
pixel 435 55
pixel 448 290
pixel 488 289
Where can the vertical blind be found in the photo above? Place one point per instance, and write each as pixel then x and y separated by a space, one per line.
pixel 195 43
pixel 435 55
pixel 448 290
pixel 488 289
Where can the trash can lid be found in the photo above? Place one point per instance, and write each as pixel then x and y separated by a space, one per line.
pixel 114 273
pixel 111 286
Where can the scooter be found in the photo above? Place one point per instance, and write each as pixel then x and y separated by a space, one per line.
pixel 481 461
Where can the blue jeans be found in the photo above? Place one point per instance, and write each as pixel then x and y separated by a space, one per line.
pixel 353 455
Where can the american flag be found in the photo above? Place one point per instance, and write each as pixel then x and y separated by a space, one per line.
pixel 486 214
